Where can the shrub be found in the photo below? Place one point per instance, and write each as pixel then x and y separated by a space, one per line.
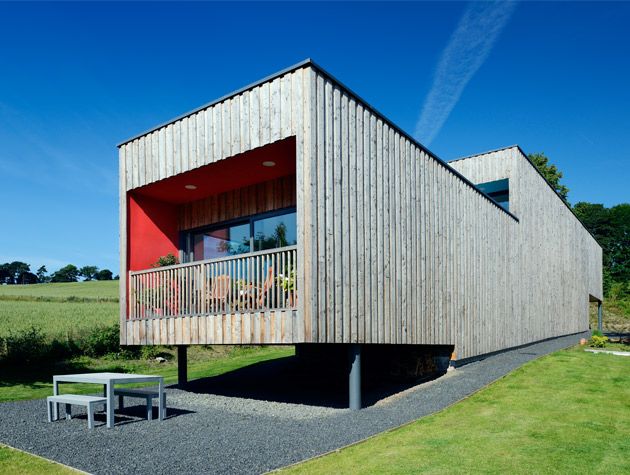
pixel 102 341
pixel 167 260
pixel 150 352
pixel 62 349
pixel 24 347
pixel 32 346
pixel 598 341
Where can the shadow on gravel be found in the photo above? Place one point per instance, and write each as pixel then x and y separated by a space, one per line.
pixel 128 415
pixel 290 380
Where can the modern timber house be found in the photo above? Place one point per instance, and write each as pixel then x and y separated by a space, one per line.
pixel 300 215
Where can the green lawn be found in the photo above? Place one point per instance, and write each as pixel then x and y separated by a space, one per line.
pixel 568 412
pixel 16 462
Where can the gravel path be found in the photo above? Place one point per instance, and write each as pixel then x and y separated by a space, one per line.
pixel 212 433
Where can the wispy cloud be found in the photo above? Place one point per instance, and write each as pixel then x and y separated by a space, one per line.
pixel 468 48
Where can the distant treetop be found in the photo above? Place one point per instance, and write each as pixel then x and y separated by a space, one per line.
pixel 551 174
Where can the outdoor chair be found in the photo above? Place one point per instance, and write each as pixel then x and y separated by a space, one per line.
pixel 264 290
pixel 219 291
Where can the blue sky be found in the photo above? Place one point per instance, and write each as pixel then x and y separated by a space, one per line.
pixel 76 79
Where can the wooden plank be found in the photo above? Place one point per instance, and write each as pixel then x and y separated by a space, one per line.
pixel 235 126
pixel 244 121
pixel 351 266
pixel 226 128
pixel 184 159
pixel 328 332
pixel 319 194
pixel 304 111
pixel 337 216
pixel 285 105
pixel 275 102
pixel 360 228
pixel 265 114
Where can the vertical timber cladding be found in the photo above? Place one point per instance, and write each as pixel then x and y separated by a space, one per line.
pixel 404 250
pixel 259 198
pixel 271 110
pixel 557 263
pixel 393 245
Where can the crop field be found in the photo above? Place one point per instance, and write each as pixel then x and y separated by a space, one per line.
pixel 96 290
pixel 55 318
pixel 59 310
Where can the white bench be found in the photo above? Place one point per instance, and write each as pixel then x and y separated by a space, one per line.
pixel 74 399
pixel 147 394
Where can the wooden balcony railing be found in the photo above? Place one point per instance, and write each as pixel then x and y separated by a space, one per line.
pixel 258 281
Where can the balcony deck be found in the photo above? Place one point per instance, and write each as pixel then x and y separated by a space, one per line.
pixel 245 299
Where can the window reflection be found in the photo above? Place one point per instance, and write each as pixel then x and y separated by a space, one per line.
pixel 274 232
pixel 222 242
pixel 257 233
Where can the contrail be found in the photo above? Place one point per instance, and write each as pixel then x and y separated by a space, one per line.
pixel 466 51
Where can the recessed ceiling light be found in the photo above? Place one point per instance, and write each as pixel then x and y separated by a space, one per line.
pixel 190 187
pixel 269 163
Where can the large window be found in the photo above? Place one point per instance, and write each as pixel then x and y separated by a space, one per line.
pixel 256 233
pixel 221 242
pixel 275 231
pixel 498 190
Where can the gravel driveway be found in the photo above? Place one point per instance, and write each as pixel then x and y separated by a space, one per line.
pixel 210 432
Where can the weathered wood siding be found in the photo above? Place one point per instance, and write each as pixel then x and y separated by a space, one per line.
pixel 247 201
pixel 272 327
pixel 394 246
pixel 270 111
pixel 558 263
pixel 402 249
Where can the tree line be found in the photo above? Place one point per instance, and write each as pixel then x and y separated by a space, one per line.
pixel 610 226
pixel 19 273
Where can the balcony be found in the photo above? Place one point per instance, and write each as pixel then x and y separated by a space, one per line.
pixel 246 283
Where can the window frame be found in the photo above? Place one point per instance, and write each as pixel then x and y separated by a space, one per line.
pixel 493 195
pixel 186 236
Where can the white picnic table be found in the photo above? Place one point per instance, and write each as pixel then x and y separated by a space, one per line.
pixel 108 381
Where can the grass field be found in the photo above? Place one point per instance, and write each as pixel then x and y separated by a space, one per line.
pixel 568 412
pixel 59 310
pixel 105 289
pixel 63 310
pixel 59 319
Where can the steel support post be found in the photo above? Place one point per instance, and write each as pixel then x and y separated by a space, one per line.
pixel 354 354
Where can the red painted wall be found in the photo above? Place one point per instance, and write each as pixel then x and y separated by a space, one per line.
pixel 152 226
